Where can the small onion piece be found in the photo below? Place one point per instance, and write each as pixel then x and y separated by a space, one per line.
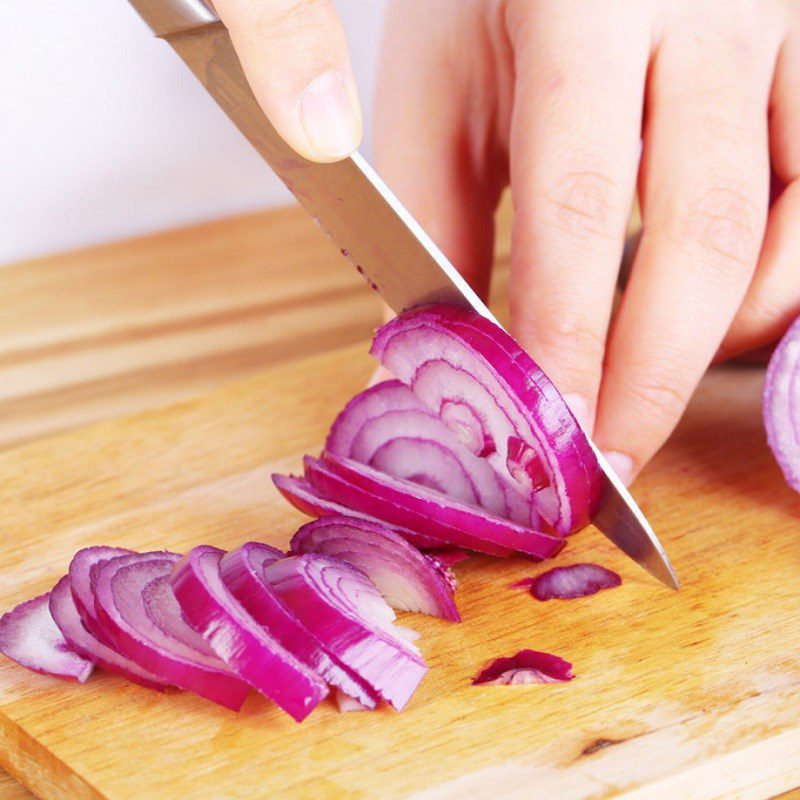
pixel 452 355
pixel 247 647
pixel 344 611
pixel 242 572
pixel 345 703
pixel 575 580
pixel 526 667
pixel 415 506
pixel 65 614
pixel 448 556
pixel 184 660
pixel 408 580
pixel 781 405
pixel 30 636
pixel 305 497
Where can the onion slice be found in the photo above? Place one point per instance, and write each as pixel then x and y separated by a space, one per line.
pixel 448 556
pixel 65 614
pixel 450 355
pixel 526 667
pixel 242 572
pixel 408 580
pixel 248 648
pixel 155 635
pixel 781 405
pixel 344 611
pixel 575 580
pixel 30 636
pixel 304 497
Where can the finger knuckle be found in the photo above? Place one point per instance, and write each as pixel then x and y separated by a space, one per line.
pixel 660 396
pixel 585 203
pixel 572 340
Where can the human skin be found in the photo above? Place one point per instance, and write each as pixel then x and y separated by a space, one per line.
pixel 558 98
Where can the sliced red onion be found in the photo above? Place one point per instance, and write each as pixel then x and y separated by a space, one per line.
pixel 527 666
pixel 416 507
pixel 345 703
pixel 453 355
pixel 242 572
pixel 344 611
pixel 248 648
pixel 467 426
pixel 304 497
pixel 65 614
pixel 29 636
pixel 408 580
pixel 576 580
pixel 448 556
pixel 186 661
pixel 781 405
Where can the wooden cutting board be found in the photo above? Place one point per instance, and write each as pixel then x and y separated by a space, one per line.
pixel 693 694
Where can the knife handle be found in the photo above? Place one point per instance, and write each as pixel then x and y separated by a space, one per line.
pixel 166 17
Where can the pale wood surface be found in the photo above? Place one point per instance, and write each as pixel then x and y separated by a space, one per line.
pixel 693 695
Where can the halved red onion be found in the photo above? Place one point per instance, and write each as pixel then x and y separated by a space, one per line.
pixel 414 506
pixel 305 497
pixel 248 648
pixel 30 636
pixel 575 580
pixel 781 405
pixel 344 611
pixel 408 580
pixel 453 355
pixel 65 614
pixel 184 660
pixel 242 572
pixel 526 667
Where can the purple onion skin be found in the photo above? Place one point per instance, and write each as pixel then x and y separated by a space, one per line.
pixel 525 667
pixel 65 614
pixel 781 405
pixel 30 636
pixel 217 684
pixel 573 581
pixel 244 576
pixel 253 653
pixel 386 558
pixel 391 667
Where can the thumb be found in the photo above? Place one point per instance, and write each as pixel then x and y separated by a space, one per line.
pixel 294 54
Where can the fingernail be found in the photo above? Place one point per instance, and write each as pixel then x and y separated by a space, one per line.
pixel 621 464
pixel 579 407
pixel 330 118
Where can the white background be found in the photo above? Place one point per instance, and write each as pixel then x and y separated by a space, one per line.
pixel 105 134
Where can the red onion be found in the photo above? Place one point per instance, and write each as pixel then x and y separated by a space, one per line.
pixel 344 611
pixel 148 627
pixel 576 580
pixel 781 405
pixel 408 580
pixel 65 614
pixel 527 666
pixel 345 703
pixel 242 572
pixel 304 497
pixel 404 503
pixel 29 636
pixel 449 355
pixel 247 647
pixel 448 557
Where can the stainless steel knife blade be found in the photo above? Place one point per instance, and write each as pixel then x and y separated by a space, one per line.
pixel 356 209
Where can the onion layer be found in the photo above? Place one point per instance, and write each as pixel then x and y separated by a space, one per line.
pixel 576 580
pixel 408 580
pixel 245 646
pixel 525 667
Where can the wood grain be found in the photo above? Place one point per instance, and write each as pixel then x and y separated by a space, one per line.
pixel 693 694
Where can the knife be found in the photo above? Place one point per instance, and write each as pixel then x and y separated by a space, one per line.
pixel 356 209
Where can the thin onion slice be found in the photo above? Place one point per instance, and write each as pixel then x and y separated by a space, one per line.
pixel 65 614
pixel 452 355
pixel 184 660
pixel 247 647
pixel 448 556
pixel 242 572
pixel 575 580
pixel 344 611
pixel 305 497
pixel 525 667
pixel 408 580
pixel 30 636
pixel 415 506
pixel 781 405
